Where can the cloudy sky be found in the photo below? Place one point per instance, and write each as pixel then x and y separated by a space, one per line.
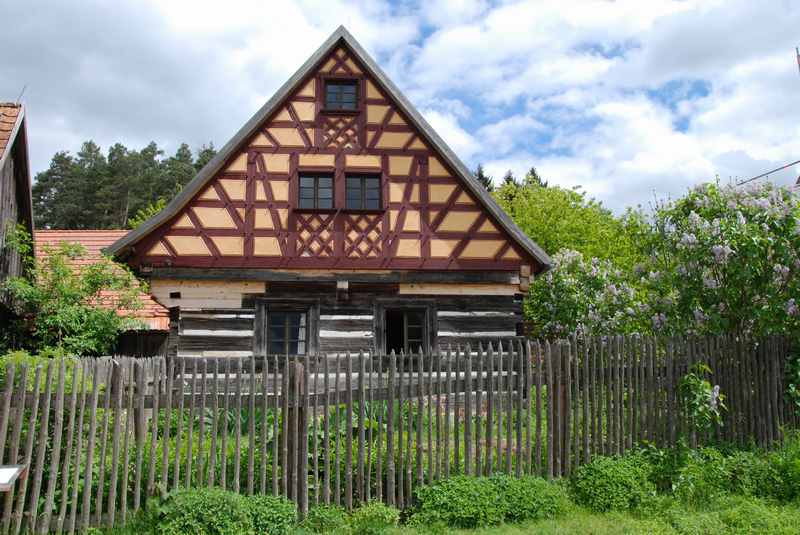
pixel 629 100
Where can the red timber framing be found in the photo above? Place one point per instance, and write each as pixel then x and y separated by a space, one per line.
pixel 246 215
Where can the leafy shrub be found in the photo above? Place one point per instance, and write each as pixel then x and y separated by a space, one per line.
pixel 373 518
pixel 461 502
pixel 737 516
pixel 530 498
pixel 326 519
pixel 612 483
pixel 201 512
pixel 703 478
pixel 273 515
pixel 751 474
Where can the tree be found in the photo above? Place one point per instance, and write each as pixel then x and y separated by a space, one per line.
pixel 532 177
pixel 90 190
pixel 486 180
pixel 65 307
pixel 558 218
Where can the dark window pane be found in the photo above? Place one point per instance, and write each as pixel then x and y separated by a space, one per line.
pixel 353 182
pixel 306 203
pixel 373 182
pixel 325 193
pixel 353 194
pixel 354 204
pixel 373 194
pixel 340 95
pixel 307 193
pixel 306 181
pixel 372 204
pixel 325 182
pixel 325 203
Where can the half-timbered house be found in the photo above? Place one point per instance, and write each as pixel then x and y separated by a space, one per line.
pixel 336 219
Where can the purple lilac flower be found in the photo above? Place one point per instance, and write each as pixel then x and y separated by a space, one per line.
pixel 721 253
pixel 792 308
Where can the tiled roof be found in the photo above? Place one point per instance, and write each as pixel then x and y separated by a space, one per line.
pixel 152 313
pixel 9 114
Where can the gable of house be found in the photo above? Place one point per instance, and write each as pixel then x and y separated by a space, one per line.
pixel 244 209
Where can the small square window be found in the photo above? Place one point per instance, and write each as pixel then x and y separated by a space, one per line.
pixel 315 192
pixel 341 95
pixel 363 192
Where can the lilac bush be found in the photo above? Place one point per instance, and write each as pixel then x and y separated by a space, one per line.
pixel 717 260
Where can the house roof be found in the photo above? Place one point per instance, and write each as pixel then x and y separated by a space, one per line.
pixel 340 35
pixel 94 241
pixel 11 116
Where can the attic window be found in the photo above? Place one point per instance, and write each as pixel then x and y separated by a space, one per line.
pixel 341 95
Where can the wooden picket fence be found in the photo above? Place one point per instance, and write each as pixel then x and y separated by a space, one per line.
pixel 101 436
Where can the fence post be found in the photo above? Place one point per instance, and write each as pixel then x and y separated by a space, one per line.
pixel 297 478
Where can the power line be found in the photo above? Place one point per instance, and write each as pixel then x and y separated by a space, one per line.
pixel 767 173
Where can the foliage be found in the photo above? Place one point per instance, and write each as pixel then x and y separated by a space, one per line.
pixel 793 380
pixel 485 180
pixel 612 484
pixel 703 404
pixel 559 218
pixel 736 516
pixel 326 519
pixel 145 213
pixel 47 356
pixel 724 259
pixel 201 512
pixel 90 190
pixel 71 308
pixel 530 498
pixel 272 515
pixel 461 502
pixel 702 478
pixel 581 296
pixel 373 518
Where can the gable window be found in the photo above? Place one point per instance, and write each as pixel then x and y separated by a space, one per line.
pixel 287 332
pixel 315 192
pixel 363 192
pixel 341 95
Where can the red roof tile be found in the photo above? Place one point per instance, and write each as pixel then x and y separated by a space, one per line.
pixel 94 241
pixel 9 114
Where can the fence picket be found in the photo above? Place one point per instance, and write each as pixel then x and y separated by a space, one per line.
pixel 55 459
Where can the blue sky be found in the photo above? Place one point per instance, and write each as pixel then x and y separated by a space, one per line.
pixel 629 100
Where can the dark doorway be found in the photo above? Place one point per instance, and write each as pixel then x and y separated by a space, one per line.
pixel 405 330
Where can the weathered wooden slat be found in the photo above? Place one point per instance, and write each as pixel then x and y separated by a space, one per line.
pixel 97 378
pixel 337 430
pixel 215 419
pixel 467 389
pixel 237 452
pixel 566 442
pixel 251 428
pixel 549 355
pixel 490 383
pixel 361 433
pixel 76 473
pixel 115 446
pixel 586 419
pixel 41 443
pixel 420 388
pixel 55 459
pixel 540 363
pixel 479 411
pixel 276 416
pixel 348 461
pixel 391 493
pixel 315 452
pixel 151 468
pixel 223 456
pixel 429 392
pixel 379 447
pixel 139 434
pixel 527 385
pixel 456 388
pixel 190 427
pixel 326 491
pixel 16 433
pixel 201 426
pixel 7 413
pixel 29 440
pixel 447 401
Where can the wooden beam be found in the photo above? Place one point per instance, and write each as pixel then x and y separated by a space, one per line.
pixel 272 275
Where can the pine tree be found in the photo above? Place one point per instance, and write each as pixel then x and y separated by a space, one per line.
pixel 485 180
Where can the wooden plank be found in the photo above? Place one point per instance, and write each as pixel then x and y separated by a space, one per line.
pixel 379 448
pixel 176 474
pixel 158 372
pixel 7 413
pixel 29 440
pixel 549 354
pixel 447 401
pixel 490 411
pixel 361 433
pixel 558 416
pixel 567 356
pixel 519 402
pixel 439 430
pixel 139 434
pixel 73 510
pixel 371 419
pixel 16 433
pixel 478 411
pixel 585 399
pixel 391 493
pixel 126 439
pixel 337 427
pixel 215 420
pixel 467 389
pixel 409 433
pixel 119 370
pixel 97 377
pixel 420 384
pixel 348 470
pixel 223 456
pixel 430 417
pixel 169 371
pixel 326 491
pixel 202 464
pixel 315 451
pixel 456 388
pixel 41 444
pixel 527 384
pixel 58 431
pixel 303 438
pixel 251 429
pixel 539 350
pixel 237 451
pixel 276 415
pixel 190 428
